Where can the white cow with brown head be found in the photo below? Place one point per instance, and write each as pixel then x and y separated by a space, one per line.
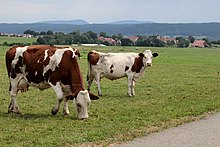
pixel 117 65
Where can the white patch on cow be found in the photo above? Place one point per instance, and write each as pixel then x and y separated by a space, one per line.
pixel 45 55
pixel 148 58
pixel 19 53
pixel 82 102
pixel 119 61
pixel 35 73
pixel 56 59
pixel 58 90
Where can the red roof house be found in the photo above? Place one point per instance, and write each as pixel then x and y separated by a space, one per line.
pixel 109 40
pixel 199 43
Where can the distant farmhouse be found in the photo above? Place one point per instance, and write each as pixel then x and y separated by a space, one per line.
pixel 109 40
pixel 167 39
pixel 200 43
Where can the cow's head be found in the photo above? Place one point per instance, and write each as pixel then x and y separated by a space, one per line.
pixel 77 53
pixel 82 100
pixel 147 57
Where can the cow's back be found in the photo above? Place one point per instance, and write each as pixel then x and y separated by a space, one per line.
pixel 114 65
pixel 42 64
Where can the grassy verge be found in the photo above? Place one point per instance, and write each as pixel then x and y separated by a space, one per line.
pixel 182 86
pixel 16 40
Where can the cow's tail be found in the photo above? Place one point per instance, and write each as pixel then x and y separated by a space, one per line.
pixel 89 72
pixel 8 61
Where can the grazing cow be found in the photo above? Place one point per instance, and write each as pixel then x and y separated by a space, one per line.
pixel 44 66
pixel 117 65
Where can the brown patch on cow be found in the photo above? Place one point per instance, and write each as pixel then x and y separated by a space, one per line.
pixel 126 68
pixel 35 63
pixel 138 63
pixel 93 58
pixel 111 70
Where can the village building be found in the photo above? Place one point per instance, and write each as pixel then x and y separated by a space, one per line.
pixel 109 40
pixel 166 39
pixel 199 43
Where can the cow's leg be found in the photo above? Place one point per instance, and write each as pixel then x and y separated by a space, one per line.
pixel 97 82
pixel 13 106
pixel 58 90
pixel 65 107
pixel 132 88
pixel 130 85
pixel 89 81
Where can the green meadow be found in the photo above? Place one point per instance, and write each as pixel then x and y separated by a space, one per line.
pixel 16 40
pixel 183 85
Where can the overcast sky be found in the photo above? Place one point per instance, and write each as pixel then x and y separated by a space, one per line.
pixel 102 11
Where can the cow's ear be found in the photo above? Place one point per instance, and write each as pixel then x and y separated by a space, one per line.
pixel 71 96
pixel 141 54
pixel 93 97
pixel 155 54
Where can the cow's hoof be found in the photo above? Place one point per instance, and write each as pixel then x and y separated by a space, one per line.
pixel 66 112
pixel 54 111
pixel 130 95
pixel 14 112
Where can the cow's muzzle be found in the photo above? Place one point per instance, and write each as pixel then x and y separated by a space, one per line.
pixel 149 64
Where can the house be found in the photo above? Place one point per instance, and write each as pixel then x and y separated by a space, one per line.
pixel 109 40
pixel 166 39
pixel 199 43
pixel 132 38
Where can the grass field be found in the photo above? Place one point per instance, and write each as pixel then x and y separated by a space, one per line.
pixel 16 40
pixel 183 85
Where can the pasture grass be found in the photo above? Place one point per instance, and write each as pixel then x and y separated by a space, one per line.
pixel 181 86
pixel 16 40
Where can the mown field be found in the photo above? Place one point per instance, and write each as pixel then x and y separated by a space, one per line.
pixel 183 85
pixel 16 40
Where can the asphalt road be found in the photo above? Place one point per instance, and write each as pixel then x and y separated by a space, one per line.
pixel 202 133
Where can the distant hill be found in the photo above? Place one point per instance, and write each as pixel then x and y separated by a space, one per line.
pixel 74 22
pixel 130 22
pixel 209 30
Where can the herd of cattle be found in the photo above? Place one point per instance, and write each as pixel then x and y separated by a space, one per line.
pixel 44 66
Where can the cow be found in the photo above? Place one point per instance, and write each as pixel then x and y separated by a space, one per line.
pixel 117 65
pixel 45 66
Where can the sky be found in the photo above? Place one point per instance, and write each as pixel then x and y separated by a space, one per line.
pixel 104 11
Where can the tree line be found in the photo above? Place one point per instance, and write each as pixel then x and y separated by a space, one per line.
pixel 77 37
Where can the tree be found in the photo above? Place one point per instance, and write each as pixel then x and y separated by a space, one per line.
pixel 170 43
pixel 31 32
pixel 103 34
pixel 92 35
pixel 41 40
pixel 191 39
pixel 183 43
pixel 49 32
pixel 126 42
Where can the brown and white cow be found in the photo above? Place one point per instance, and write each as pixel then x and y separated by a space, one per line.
pixel 117 65
pixel 45 66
